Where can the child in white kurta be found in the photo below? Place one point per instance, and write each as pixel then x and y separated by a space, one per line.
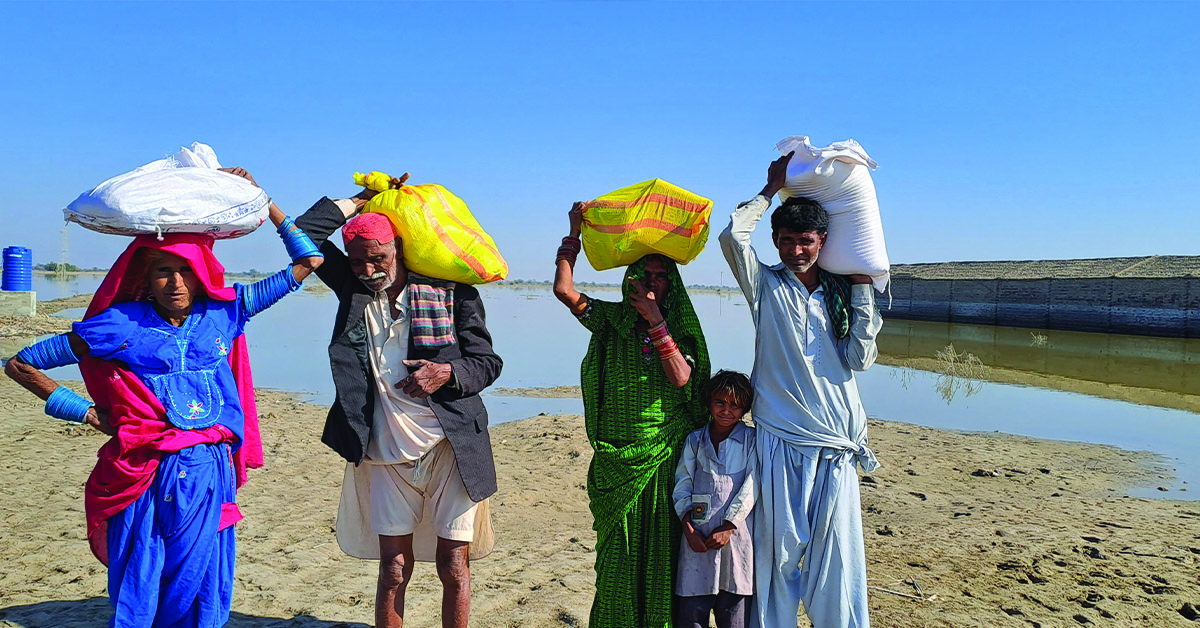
pixel 715 490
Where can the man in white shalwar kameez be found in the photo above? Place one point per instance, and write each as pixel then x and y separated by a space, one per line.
pixel 813 329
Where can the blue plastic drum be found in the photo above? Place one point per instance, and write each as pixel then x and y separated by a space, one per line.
pixel 18 269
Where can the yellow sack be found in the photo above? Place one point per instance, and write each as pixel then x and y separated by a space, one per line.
pixel 654 216
pixel 441 238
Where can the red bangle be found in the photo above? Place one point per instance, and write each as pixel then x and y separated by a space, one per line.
pixel 567 254
pixel 569 250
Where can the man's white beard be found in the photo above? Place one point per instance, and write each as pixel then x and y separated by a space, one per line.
pixel 379 275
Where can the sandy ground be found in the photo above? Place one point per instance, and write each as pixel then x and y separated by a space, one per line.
pixel 43 323
pixel 994 530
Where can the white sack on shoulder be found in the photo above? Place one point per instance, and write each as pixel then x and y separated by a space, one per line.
pixel 838 177
pixel 184 193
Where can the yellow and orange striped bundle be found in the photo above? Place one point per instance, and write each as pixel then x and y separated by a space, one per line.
pixel 441 238
pixel 653 216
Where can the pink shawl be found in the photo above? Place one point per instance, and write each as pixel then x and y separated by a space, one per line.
pixel 127 462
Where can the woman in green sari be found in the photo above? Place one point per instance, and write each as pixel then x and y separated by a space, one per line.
pixel 642 376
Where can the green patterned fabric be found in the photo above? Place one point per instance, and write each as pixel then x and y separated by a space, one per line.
pixel 837 301
pixel 637 422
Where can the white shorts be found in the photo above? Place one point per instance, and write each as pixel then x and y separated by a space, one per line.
pixel 425 498
pixel 404 495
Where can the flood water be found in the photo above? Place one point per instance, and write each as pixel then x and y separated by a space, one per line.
pixel 1132 392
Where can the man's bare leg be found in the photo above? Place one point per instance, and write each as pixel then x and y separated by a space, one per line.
pixel 454 570
pixel 395 570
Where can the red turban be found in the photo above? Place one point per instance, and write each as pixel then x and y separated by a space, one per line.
pixel 369 227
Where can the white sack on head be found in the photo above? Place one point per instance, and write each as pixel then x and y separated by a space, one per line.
pixel 184 193
pixel 838 177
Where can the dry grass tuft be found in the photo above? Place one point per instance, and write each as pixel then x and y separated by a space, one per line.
pixel 959 372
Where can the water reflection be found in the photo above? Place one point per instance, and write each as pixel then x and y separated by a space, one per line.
pixel 50 287
pixel 1140 369
pixel 70 313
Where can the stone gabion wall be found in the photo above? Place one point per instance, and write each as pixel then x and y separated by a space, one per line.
pixel 1151 307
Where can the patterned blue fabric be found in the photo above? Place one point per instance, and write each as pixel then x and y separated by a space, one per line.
pixel 187 367
pixel 169 566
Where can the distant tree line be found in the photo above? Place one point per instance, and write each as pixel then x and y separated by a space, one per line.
pixel 593 284
pixel 547 282
pixel 56 267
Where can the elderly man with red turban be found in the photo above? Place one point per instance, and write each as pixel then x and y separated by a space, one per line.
pixel 409 356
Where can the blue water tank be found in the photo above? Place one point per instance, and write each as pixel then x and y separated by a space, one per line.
pixel 18 269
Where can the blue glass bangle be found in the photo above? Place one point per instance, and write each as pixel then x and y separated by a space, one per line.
pixel 49 353
pixel 65 404
pixel 297 243
pixel 264 293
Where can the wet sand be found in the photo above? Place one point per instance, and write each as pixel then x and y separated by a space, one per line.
pixel 995 530
pixel 547 392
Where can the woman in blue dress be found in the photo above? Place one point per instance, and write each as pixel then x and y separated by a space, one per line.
pixel 162 354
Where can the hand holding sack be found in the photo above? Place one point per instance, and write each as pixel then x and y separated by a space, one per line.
pixel 184 193
pixel 838 177
pixel 653 216
pixel 441 238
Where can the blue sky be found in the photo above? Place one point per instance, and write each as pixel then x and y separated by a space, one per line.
pixel 1003 131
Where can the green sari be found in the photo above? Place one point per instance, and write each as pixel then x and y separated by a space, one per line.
pixel 637 421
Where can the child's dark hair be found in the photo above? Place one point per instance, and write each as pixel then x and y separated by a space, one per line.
pixel 799 214
pixel 731 384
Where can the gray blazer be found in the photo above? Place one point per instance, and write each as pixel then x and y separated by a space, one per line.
pixel 456 405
